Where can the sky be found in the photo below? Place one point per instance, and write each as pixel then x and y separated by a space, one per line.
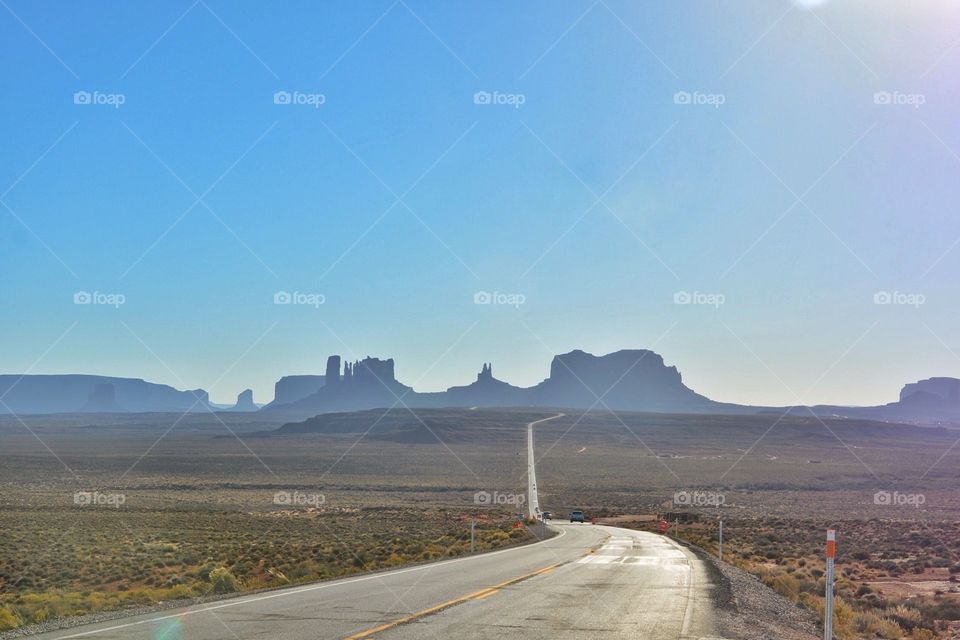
pixel 216 194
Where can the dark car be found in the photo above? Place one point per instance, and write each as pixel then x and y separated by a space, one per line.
pixel 545 515
pixel 576 516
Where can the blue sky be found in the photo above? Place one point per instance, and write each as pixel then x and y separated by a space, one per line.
pixel 815 165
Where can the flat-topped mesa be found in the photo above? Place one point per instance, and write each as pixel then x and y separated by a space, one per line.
pixel 580 366
pixel 292 388
pixel 946 390
pixel 629 379
pixel 67 393
pixel 103 399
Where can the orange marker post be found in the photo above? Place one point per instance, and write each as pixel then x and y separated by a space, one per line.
pixel 828 610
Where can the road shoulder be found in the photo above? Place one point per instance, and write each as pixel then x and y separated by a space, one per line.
pixel 747 609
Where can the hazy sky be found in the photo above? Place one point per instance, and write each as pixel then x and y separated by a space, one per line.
pixel 812 163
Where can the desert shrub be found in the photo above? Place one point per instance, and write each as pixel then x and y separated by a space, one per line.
pixel 223 581
pixel 949 610
pixel 906 617
pixel 8 620
pixel 887 629
pixel 786 585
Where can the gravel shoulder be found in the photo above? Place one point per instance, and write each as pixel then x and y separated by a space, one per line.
pixel 747 609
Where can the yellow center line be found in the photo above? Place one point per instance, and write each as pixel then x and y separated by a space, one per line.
pixel 476 595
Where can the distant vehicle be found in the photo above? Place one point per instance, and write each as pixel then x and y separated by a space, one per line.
pixel 546 515
pixel 576 516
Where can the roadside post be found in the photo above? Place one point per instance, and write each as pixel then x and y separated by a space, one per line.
pixel 721 540
pixel 473 526
pixel 828 610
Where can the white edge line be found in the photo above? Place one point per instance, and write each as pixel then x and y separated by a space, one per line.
pixel 294 591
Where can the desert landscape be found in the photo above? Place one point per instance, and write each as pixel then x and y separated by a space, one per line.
pixel 242 503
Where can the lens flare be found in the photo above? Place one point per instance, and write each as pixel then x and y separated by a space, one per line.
pixel 168 630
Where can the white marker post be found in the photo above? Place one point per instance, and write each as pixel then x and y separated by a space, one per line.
pixel 473 525
pixel 828 610
pixel 721 540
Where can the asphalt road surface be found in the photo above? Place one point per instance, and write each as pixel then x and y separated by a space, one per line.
pixel 587 582
pixel 533 499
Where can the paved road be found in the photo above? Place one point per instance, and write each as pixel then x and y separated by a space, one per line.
pixel 637 585
pixel 587 582
pixel 634 585
pixel 533 500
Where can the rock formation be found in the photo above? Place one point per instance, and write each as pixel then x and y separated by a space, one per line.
pixel 366 384
pixel 636 380
pixel 630 379
pixel 33 394
pixel 103 399
pixel 487 391
pixel 292 388
pixel 245 402
pixel 333 370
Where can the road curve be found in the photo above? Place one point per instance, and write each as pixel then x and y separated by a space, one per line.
pixel 589 581
pixel 586 582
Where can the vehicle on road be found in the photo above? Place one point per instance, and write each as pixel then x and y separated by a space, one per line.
pixel 546 515
pixel 576 516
